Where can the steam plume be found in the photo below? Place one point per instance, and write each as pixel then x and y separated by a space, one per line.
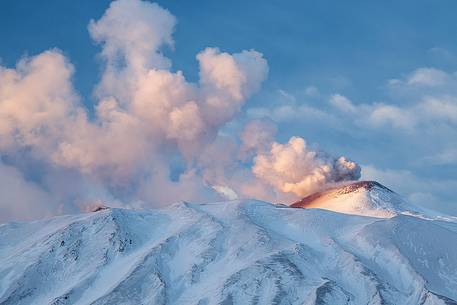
pixel 295 168
pixel 154 137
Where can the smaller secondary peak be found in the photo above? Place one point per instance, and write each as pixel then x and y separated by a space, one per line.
pixel 365 198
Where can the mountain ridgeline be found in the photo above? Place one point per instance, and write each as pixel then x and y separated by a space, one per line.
pixel 355 244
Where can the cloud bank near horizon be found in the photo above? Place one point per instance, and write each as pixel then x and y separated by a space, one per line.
pixel 154 138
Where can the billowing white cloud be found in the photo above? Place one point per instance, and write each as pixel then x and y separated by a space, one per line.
pixel 36 100
pixel 147 119
pixel 132 34
pixel 143 105
pixel 295 168
pixel 228 80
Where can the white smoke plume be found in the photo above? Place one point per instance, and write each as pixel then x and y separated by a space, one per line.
pixel 154 137
pixel 295 168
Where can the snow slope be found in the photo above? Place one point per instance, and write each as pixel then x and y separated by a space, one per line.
pixel 237 252
pixel 365 198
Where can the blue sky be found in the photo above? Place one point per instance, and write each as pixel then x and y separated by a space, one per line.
pixel 369 80
pixel 353 48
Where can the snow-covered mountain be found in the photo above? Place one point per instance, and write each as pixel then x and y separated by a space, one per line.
pixel 365 198
pixel 237 252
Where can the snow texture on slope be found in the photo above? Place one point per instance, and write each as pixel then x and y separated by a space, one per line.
pixel 237 252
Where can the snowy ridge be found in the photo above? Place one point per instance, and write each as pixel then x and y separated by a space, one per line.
pixel 238 252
